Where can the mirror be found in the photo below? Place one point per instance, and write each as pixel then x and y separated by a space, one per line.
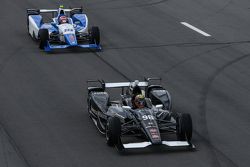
pixel 126 107
pixel 159 106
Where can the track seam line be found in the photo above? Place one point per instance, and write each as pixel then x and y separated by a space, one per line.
pixel 9 137
pixel 14 145
pixel 111 66
pixel 198 44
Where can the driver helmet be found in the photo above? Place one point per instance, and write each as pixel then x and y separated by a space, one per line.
pixel 139 101
pixel 63 19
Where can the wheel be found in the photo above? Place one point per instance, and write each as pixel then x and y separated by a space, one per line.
pixel 113 131
pixel 44 37
pixel 33 36
pixel 89 109
pixel 184 127
pixel 89 105
pixel 94 35
pixel 28 27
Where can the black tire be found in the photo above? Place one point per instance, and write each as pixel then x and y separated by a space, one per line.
pixel 113 131
pixel 33 36
pixel 89 107
pixel 44 37
pixel 28 27
pixel 184 127
pixel 94 35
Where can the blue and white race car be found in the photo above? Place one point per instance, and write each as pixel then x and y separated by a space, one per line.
pixel 68 28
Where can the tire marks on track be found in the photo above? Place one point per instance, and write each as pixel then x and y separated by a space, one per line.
pixel 187 44
pixel 226 5
pixel 6 60
pixel 204 95
pixel 193 57
pixel 11 140
pixel 149 4
pixel 111 66
pixel 14 145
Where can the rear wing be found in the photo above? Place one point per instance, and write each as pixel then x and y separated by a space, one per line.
pixel 33 12
pixel 95 83
pixel 53 11
pixel 124 84
pixel 100 85
pixel 153 80
pixel 145 83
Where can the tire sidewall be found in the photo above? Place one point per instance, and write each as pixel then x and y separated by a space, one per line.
pixel 95 35
pixel 44 37
pixel 113 131
pixel 184 127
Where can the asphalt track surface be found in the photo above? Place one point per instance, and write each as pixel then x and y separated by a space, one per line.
pixel 43 96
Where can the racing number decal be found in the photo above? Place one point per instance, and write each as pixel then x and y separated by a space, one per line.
pixel 146 117
pixel 68 30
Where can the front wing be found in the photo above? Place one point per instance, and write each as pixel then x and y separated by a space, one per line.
pixel 166 143
pixel 50 47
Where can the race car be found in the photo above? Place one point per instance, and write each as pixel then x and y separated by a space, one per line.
pixel 121 122
pixel 66 28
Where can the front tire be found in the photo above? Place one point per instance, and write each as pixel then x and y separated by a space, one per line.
pixel 113 131
pixel 44 37
pixel 94 35
pixel 184 127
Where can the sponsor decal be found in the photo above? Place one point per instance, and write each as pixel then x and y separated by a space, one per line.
pixel 72 38
pixel 154 133
pixel 153 130
pixel 150 123
pixel 155 136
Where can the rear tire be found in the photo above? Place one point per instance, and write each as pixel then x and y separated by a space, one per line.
pixel 95 35
pixel 44 37
pixel 28 26
pixel 184 127
pixel 113 131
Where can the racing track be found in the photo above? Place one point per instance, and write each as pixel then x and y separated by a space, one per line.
pixel 43 96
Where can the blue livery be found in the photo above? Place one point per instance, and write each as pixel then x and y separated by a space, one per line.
pixel 67 28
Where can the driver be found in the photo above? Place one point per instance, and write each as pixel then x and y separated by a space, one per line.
pixel 139 101
pixel 63 19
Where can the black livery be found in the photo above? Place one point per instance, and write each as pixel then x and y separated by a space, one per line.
pixel 119 119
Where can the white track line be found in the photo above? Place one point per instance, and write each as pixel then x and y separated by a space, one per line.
pixel 195 29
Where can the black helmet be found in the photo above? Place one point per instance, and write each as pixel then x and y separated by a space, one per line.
pixel 139 101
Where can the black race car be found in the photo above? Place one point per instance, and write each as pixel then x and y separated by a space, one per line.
pixel 147 126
